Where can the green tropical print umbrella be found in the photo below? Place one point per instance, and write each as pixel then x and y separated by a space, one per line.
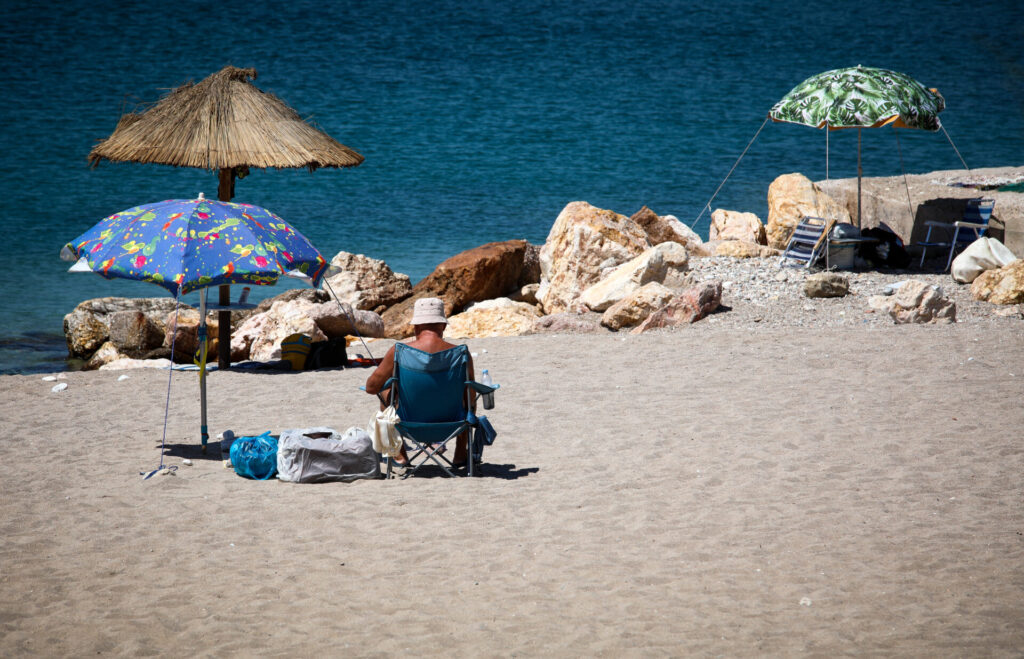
pixel 860 97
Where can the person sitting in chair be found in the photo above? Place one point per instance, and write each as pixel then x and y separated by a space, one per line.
pixel 429 323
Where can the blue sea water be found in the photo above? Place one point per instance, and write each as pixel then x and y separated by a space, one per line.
pixel 479 120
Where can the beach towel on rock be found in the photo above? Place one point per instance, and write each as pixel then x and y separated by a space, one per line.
pixel 321 455
pixel 386 439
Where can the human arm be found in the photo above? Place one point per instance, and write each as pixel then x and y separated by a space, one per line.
pixel 380 375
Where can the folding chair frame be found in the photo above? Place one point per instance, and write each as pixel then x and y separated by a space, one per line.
pixel 806 244
pixel 977 208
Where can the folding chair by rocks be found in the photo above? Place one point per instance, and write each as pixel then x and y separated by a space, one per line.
pixel 962 232
pixel 807 241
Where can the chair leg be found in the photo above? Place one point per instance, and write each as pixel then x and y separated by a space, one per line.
pixel 949 261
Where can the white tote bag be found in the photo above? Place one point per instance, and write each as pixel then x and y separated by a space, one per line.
pixel 386 439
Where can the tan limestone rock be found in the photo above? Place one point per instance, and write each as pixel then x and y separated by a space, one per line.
pixel 734 225
pixel 283 319
pixel 742 250
pixel 366 283
pixel 183 336
pixel 135 333
pixel 688 307
pixel 637 306
pixel 826 284
pixel 498 317
pixel 478 274
pixel 665 228
pixel 527 294
pixel 1002 286
pixel 106 354
pixel 654 264
pixel 919 302
pixel 87 327
pixel 790 198
pixel 583 241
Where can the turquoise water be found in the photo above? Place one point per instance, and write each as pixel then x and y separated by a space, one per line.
pixel 478 121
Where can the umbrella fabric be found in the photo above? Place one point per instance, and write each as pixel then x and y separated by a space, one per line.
pixel 860 97
pixel 184 245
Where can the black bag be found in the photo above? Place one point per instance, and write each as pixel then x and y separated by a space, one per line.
pixel 888 251
pixel 327 354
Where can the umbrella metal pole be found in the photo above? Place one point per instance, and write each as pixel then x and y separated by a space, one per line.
pixel 225 190
pixel 860 172
pixel 203 431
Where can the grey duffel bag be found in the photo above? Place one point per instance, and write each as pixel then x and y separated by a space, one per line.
pixel 321 455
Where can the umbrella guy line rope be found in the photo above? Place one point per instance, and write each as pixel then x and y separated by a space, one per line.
pixel 167 401
pixel 347 310
pixel 954 148
pixel 707 206
pixel 906 186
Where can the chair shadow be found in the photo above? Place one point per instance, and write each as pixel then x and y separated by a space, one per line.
pixel 484 470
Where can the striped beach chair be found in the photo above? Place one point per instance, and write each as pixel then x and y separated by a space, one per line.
pixel 807 241
pixel 963 232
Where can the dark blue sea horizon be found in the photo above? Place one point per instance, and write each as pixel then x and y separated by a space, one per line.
pixel 479 121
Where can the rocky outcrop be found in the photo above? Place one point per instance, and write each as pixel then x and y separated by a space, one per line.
pixel 568 323
pixel 134 333
pixel 366 283
pixel 582 243
pixel 87 327
pixel 478 274
pixel 1002 286
pixel 917 302
pixel 740 249
pixel 826 284
pixel 655 264
pixel 734 225
pixel 637 306
pixel 688 307
pixel 665 228
pixel 498 317
pixel 790 198
pixel 182 336
pixel 282 319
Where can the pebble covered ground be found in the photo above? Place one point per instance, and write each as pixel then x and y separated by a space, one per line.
pixel 761 291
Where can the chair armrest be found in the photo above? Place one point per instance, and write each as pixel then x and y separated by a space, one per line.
pixel 970 225
pixel 934 223
pixel 482 388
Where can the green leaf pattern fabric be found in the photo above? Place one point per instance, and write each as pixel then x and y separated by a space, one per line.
pixel 860 96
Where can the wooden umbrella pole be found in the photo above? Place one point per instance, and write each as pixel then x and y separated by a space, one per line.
pixel 225 190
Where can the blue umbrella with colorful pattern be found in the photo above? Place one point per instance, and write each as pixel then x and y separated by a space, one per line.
pixel 184 245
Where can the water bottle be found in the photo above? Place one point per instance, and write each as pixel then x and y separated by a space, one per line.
pixel 244 297
pixel 488 398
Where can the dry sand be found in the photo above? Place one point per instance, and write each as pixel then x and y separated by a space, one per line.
pixel 701 492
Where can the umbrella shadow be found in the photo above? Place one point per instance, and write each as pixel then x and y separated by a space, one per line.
pixel 193 451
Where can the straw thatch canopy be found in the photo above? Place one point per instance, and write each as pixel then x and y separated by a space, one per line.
pixel 223 122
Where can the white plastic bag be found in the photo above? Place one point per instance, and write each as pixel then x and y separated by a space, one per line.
pixel 321 455
pixel 386 439
pixel 981 255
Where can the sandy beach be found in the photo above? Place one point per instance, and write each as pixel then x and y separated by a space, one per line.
pixel 707 491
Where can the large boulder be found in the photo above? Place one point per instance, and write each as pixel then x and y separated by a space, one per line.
pixel 498 317
pixel 790 198
pixel 87 327
pixel 335 321
pixel 1002 286
pixel 734 225
pixel 106 354
pixel 637 306
pixel 688 307
pixel 919 302
pixel 741 249
pixel 366 283
pixel 826 284
pixel 281 320
pixel 182 335
pixel 665 228
pixel 478 274
pixel 134 333
pixel 582 243
pixel 653 265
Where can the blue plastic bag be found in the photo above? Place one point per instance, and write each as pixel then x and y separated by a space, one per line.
pixel 255 457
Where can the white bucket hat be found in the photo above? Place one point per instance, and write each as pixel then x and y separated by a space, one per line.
pixel 428 311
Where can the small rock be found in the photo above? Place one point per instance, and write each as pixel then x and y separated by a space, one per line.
pixel 50 378
pixel 826 284
pixel 57 388
pixel 122 378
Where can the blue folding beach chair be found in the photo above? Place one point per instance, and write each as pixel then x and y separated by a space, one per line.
pixel 433 393
pixel 963 232
pixel 808 241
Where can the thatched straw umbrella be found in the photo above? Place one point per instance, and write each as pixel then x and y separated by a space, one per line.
pixel 223 123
